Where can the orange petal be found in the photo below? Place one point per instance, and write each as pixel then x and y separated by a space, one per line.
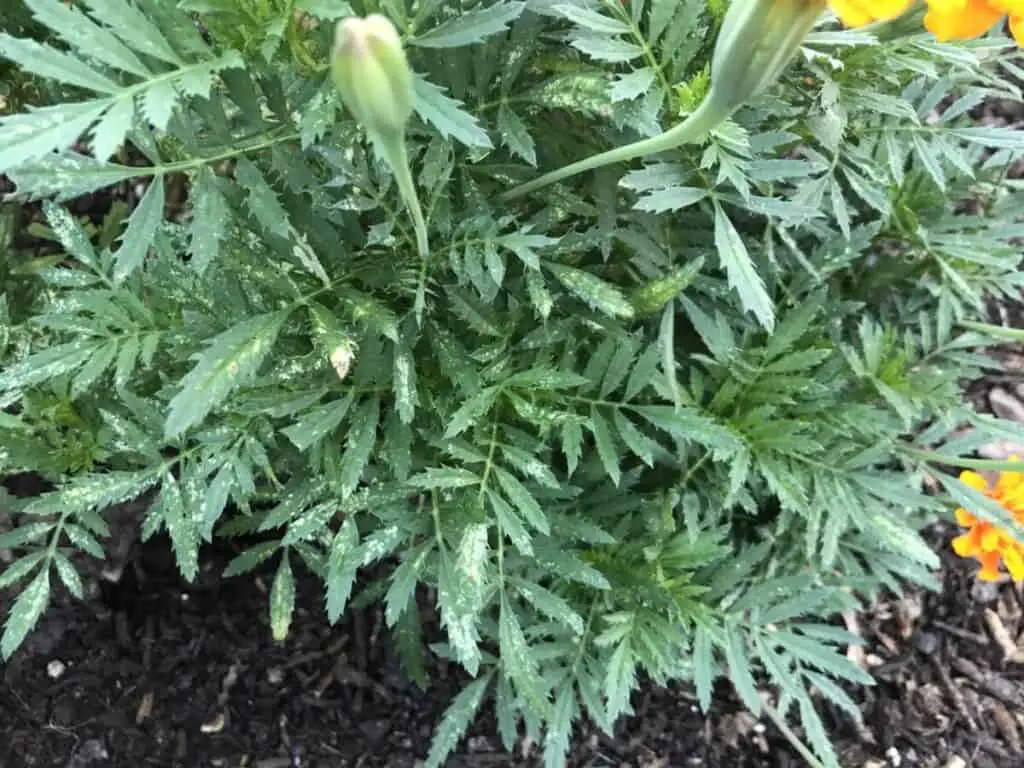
pixel 989 566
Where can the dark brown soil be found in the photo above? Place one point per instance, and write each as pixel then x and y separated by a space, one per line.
pixel 153 672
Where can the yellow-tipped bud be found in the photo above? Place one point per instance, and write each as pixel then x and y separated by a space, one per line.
pixel 372 74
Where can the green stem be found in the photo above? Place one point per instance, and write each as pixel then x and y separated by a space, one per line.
pixel 696 126
pixel 398 159
pixel 990 465
pixel 791 737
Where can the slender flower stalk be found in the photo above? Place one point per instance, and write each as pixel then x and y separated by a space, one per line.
pixel 757 41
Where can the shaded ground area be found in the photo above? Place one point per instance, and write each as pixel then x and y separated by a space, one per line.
pixel 149 672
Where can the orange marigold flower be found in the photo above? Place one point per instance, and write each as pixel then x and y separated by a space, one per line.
pixel 946 19
pixel 988 543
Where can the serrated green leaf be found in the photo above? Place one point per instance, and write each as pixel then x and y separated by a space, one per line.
pixel 809 651
pixel 515 135
pixel 181 527
pixel 471 411
pixel 66 176
pixel 620 679
pixel 607 450
pixel 437 478
pixel 606 49
pixel 403 582
pixel 572 445
pixel 84 541
pixel 89 38
pixel 736 657
pixel 472 26
pixel 209 217
pixel 457 718
pixel 523 500
pixel 632 84
pixel 231 359
pixel 132 26
pixel 362 436
pixel 408 639
pixel 342 565
pixel 140 232
pixel 446 114
pixel 404 385
pixel 556 741
pixel 263 203
pixel 20 568
pixel 509 523
pixel 25 613
pixel 670 199
pixel 593 291
pixel 836 694
pixel 816 733
pixel 518 664
pixel 250 558
pixel 591 20
pixel 68 574
pixel 739 269
pixel 47 62
pixel 30 136
pixel 506 712
pixel 703 667
pixel 459 608
pixel 314 425
pixel 25 534
pixel 550 605
pixel 282 600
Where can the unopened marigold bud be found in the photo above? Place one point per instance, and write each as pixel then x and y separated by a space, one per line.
pixel 372 74
pixel 758 39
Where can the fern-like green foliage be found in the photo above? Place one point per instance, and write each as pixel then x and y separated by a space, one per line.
pixel 662 422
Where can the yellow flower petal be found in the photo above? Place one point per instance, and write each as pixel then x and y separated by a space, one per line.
pixel 856 13
pixel 974 480
pixel 1017 28
pixel 974 19
pixel 990 539
pixel 1014 563
pixel 964 518
pixel 964 546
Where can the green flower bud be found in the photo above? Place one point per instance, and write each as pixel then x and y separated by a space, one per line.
pixel 758 39
pixel 372 74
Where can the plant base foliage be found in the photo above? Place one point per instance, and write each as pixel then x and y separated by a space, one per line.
pixel 655 423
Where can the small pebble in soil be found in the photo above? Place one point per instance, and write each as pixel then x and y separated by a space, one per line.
pixel 926 642
pixel 55 669
pixel 275 675
pixel 88 753
pixel 984 591
pixel 893 756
